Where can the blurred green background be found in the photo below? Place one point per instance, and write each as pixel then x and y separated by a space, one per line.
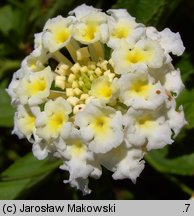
pixel 169 172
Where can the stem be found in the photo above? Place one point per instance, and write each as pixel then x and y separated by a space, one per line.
pixel 181 185
pixel 58 56
pixel 96 51
pixel 72 48
pixel 55 94
pixel 173 179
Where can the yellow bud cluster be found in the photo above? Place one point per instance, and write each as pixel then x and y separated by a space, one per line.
pixel 76 81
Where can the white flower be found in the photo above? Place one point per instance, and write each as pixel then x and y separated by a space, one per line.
pixel 91 26
pixel 57 33
pixel 159 73
pixel 83 10
pixel 41 150
pixel 34 88
pixel 103 89
pixel 147 128
pixel 53 121
pixel 169 41
pixel 14 85
pixel 24 123
pixel 123 28
pixel 131 166
pixel 34 64
pixel 74 169
pixel 139 90
pixel 177 85
pixel 38 45
pixel 176 119
pixel 120 14
pixel 124 162
pixel 146 53
pixel 79 161
pixel 101 126
pixel 99 89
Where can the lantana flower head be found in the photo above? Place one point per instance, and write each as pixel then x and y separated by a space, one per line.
pixel 99 89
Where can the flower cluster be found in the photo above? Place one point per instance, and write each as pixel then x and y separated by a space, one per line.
pixel 99 89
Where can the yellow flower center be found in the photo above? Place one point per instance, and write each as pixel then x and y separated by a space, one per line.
pixel 100 125
pixel 27 124
pixel 121 31
pixel 77 148
pixel 101 88
pixel 140 87
pixel 36 86
pixel 89 32
pixel 137 55
pixel 56 121
pixel 146 123
pixel 61 35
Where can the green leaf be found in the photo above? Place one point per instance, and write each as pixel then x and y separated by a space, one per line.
pixel 6 19
pixel 23 175
pixel 182 165
pixel 4 49
pixel 186 99
pixel 8 65
pixel 186 67
pixel 10 190
pixel 6 110
pixel 146 11
pixel 17 19
pixel 57 7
